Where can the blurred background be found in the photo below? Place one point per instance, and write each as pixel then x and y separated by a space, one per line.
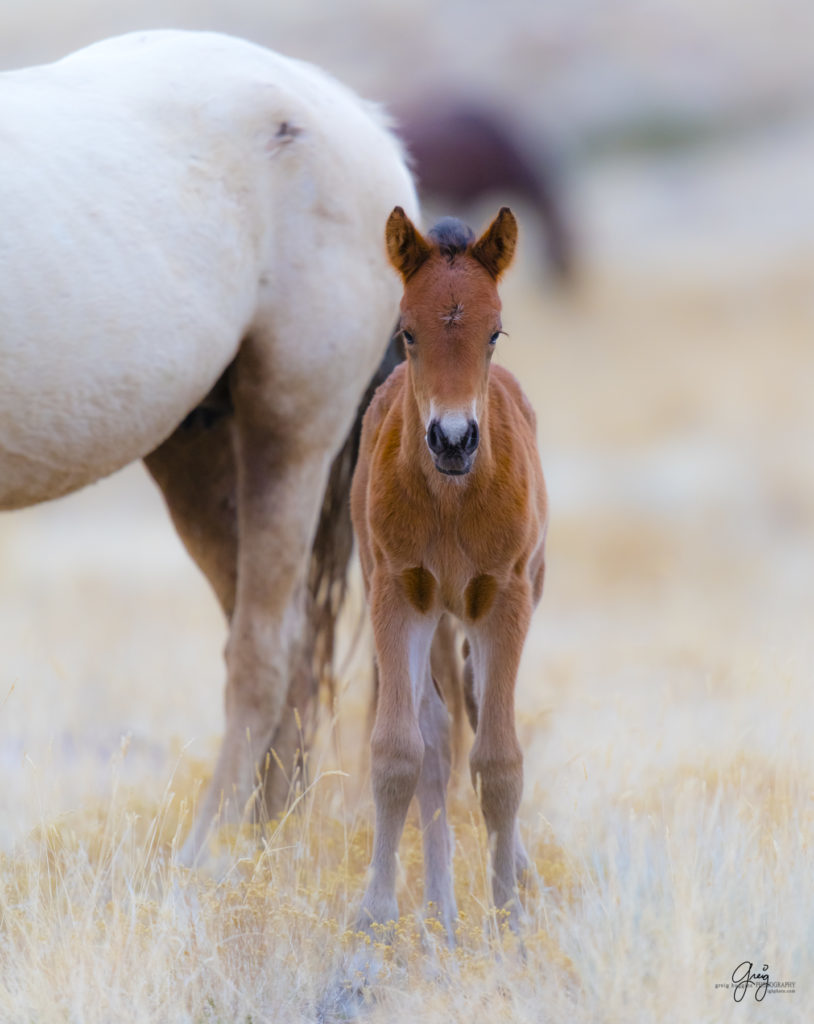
pixel 659 156
pixel 681 131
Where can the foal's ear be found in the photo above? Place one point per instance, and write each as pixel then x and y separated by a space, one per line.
pixel 495 248
pixel 406 247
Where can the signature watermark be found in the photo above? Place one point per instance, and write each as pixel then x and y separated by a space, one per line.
pixel 747 978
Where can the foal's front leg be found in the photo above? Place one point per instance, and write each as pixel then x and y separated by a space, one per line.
pixel 402 639
pixel 496 759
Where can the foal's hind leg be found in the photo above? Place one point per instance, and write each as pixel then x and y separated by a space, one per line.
pixel 434 721
pixel 446 671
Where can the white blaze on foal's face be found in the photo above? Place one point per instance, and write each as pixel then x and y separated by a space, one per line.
pixel 449 339
pixel 454 423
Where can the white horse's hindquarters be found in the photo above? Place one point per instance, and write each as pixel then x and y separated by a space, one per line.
pixel 111 331
pixel 125 283
pixel 160 194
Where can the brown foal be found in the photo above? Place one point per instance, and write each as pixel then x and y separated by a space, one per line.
pixel 449 506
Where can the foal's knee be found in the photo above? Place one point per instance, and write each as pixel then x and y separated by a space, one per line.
pixel 395 763
pixel 499 779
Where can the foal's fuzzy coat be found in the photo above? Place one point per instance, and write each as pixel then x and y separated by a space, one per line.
pixel 449 507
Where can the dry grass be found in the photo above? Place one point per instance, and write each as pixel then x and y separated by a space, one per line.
pixel 654 899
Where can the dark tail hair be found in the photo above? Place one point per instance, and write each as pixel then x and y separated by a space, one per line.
pixel 333 542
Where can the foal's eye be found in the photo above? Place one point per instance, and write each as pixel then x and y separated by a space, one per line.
pixel 495 336
pixel 408 338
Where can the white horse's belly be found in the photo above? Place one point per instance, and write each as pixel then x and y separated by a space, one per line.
pixel 98 366
pixel 127 276
pixel 57 438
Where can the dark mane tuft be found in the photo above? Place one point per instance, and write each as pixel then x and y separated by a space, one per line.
pixel 451 236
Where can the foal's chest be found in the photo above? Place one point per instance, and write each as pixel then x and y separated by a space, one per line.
pixel 458 569
pixel 467 597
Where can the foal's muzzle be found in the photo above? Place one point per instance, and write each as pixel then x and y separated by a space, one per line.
pixel 453 452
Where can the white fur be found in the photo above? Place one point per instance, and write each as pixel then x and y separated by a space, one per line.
pixel 162 195
pixel 419 641
pixel 454 425
pixel 453 422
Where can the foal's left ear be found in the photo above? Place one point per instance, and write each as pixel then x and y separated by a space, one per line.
pixel 495 248
pixel 406 246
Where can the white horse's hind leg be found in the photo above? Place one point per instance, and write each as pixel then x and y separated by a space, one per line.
pixel 280 479
pixel 431 792
pixel 195 470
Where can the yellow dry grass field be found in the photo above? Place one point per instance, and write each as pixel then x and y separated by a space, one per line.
pixel 665 710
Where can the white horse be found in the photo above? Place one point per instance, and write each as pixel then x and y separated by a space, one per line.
pixel 193 272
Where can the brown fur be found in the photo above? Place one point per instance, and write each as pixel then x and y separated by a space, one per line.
pixel 431 545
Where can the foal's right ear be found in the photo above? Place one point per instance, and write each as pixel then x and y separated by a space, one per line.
pixel 406 246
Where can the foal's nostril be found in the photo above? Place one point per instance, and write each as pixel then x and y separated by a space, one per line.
pixel 435 438
pixel 471 438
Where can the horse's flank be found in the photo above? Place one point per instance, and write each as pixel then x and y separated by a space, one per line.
pixel 163 196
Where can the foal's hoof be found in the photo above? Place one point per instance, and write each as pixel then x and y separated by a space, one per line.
pixel 440 924
pixel 353 987
pixel 523 864
pixel 528 879
pixel 379 923
pixel 514 926
pixel 350 990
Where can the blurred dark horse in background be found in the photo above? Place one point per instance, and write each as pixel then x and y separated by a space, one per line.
pixel 463 151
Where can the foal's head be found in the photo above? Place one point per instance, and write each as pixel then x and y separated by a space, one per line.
pixel 450 322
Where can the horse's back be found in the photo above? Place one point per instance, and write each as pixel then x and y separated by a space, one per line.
pixel 162 196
